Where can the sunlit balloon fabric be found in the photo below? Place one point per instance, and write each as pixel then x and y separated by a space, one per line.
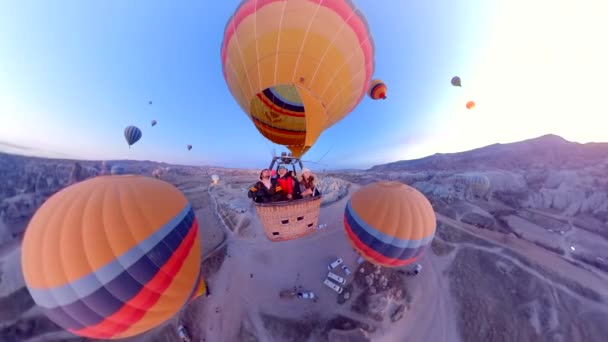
pixel 112 256
pixel 470 105
pixel 377 90
pixel 389 223
pixel 297 67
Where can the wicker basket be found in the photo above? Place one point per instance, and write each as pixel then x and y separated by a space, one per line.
pixel 289 220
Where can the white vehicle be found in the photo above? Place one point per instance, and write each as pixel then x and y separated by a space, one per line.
pixel 183 333
pixel 332 285
pixel 306 295
pixel 336 278
pixel 417 269
pixel 335 264
pixel 346 270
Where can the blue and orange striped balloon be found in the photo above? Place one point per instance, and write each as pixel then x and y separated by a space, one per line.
pixel 389 223
pixel 113 256
pixel 377 90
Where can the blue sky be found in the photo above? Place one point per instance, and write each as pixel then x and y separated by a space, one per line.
pixel 74 73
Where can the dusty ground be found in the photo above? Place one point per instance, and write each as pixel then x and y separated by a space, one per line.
pixel 495 272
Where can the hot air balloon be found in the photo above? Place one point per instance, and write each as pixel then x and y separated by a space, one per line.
pixel 296 68
pixel 291 73
pixel 112 256
pixel 189 147
pixel 215 178
pixel 456 82
pixel 377 90
pixel 470 105
pixel 132 135
pixel 117 170
pixel 479 184
pixel 153 123
pixel 200 288
pixel 389 223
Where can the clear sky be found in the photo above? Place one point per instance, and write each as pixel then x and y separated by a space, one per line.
pixel 74 73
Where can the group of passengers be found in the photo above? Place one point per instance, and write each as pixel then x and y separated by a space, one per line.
pixel 284 186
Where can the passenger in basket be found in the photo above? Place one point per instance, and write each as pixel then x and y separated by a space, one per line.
pixel 308 184
pixel 285 182
pixel 265 190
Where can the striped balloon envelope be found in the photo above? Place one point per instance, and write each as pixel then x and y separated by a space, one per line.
pixel 112 256
pixel 296 67
pixel 132 135
pixel 377 90
pixel 389 223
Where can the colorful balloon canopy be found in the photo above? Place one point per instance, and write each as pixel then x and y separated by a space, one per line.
pixel 132 135
pixel 389 223
pixel 153 123
pixel 297 67
pixel 200 289
pixel 377 90
pixel 470 105
pixel 112 256
pixel 456 82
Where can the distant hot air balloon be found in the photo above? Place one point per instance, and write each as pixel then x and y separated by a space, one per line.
pixel 215 178
pixel 132 135
pixel 112 256
pixel 117 170
pixel 153 123
pixel 456 82
pixel 377 90
pixel 149 102
pixel 189 147
pixel 470 105
pixel 389 223
pixel 479 184
pixel 293 75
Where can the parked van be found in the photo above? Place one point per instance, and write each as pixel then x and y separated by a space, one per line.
pixel 336 278
pixel 335 264
pixel 332 285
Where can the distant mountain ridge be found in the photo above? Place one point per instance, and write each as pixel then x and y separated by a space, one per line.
pixel 547 151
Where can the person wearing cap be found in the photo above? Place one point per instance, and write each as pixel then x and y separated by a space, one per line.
pixel 308 184
pixel 285 182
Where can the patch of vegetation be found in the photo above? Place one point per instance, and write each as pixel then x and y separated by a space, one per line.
pixel 344 323
pixel 454 235
pixel 440 247
pixel 591 224
pixel 544 221
pixel 596 262
pixel 28 328
pixel 285 329
pixel 556 278
pixel 510 197
pixel 15 304
pixel 214 262
pixel 490 301
pixel 549 247
pixel 478 221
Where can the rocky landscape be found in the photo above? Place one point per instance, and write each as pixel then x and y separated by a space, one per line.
pixel 520 253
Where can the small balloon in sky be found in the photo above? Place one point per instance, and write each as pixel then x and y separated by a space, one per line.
pixel 456 82
pixel 470 105
pixel 132 135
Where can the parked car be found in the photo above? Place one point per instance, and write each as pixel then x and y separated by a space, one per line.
pixel 332 285
pixel 306 295
pixel 346 269
pixel 183 333
pixel 336 278
pixel 335 264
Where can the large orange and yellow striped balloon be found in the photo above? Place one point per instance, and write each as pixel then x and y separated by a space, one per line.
pixel 389 223
pixel 377 90
pixel 296 67
pixel 113 256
